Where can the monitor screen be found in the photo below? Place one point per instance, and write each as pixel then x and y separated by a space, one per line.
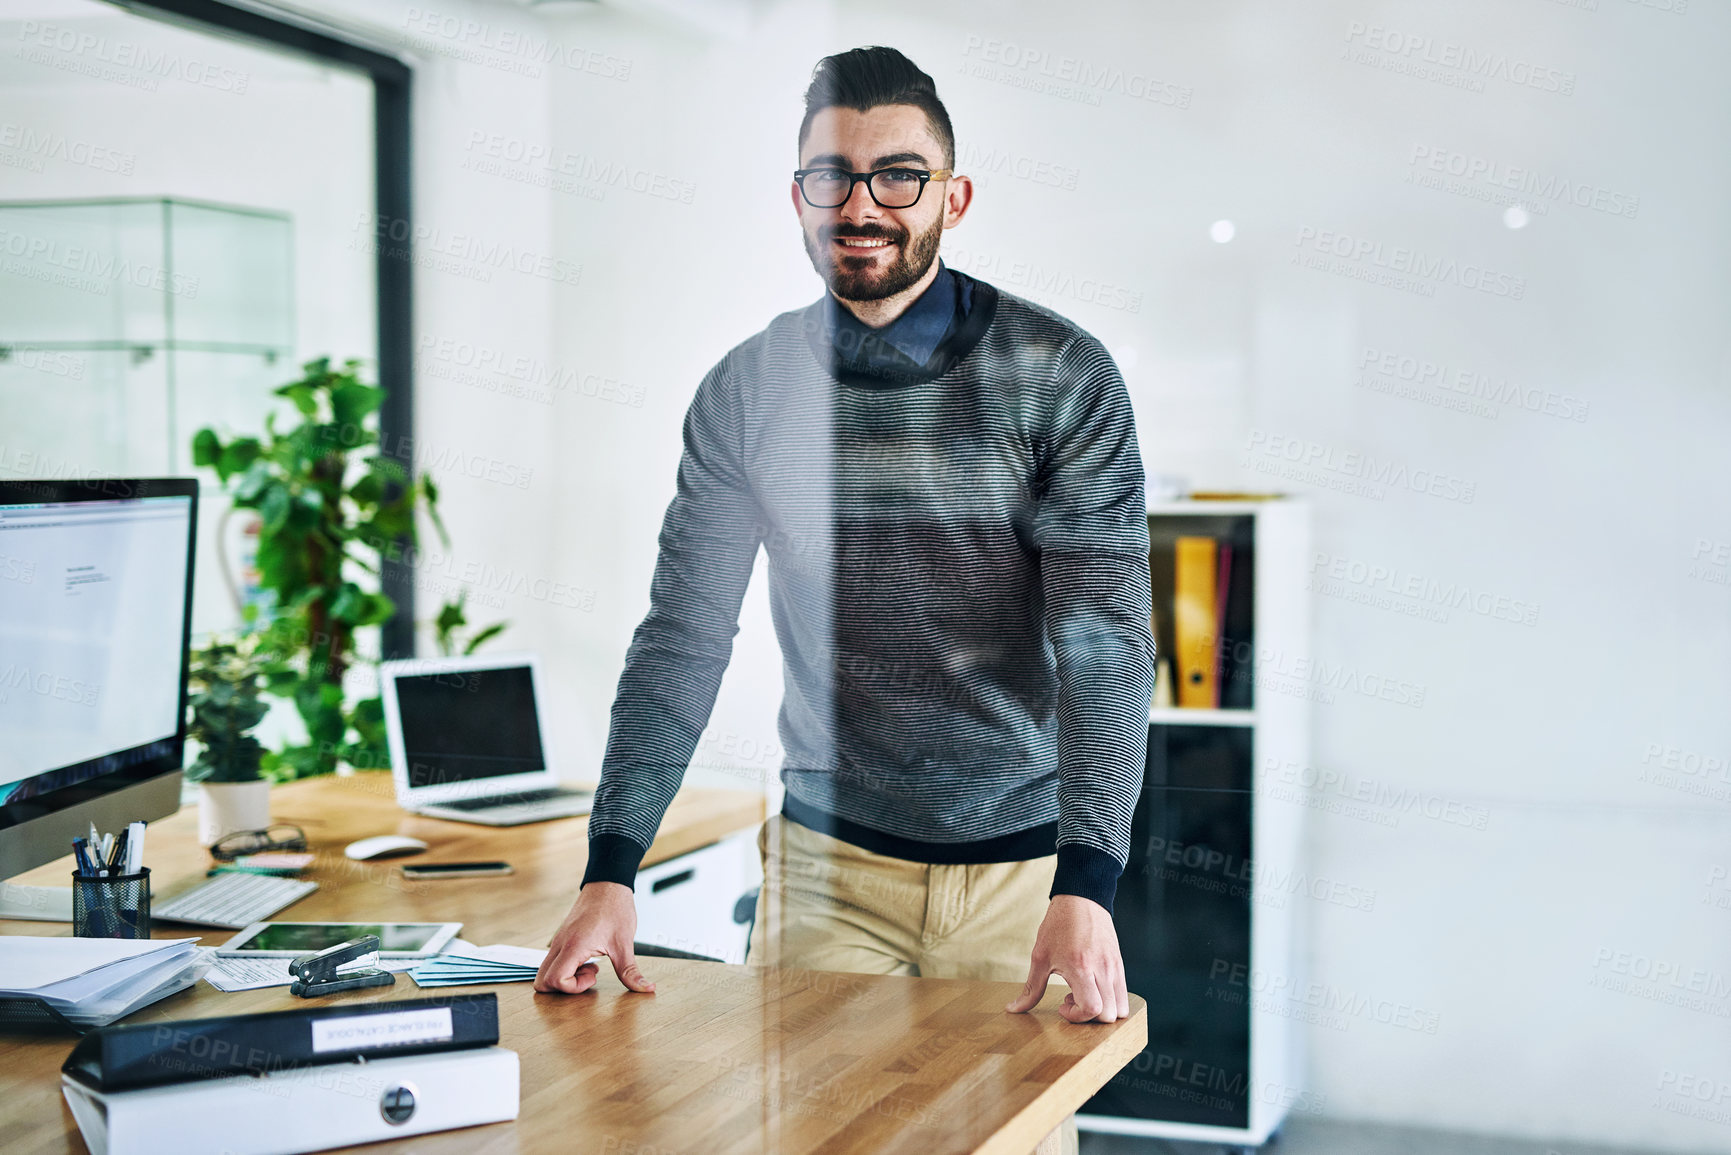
pixel 460 726
pixel 92 632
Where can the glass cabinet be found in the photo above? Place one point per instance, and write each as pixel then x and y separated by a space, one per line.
pixel 127 324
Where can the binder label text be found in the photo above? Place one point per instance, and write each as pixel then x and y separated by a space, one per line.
pixel 359 1032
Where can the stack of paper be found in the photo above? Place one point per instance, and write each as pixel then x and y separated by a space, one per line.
pixel 93 981
pixel 467 964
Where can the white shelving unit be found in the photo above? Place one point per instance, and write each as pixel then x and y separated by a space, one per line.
pixel 1177 716
pixel 1164 913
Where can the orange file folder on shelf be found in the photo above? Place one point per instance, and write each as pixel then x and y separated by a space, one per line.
pixel 1195 606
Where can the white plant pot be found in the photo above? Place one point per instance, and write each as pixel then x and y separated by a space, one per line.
pixel 225 807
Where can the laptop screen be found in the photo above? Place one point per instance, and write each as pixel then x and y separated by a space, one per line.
pixel 460 726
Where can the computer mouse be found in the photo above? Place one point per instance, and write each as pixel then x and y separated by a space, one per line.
pixel 383 846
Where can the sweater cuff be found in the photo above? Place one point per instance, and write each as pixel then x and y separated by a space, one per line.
pixel 1085 872
pixel 613 858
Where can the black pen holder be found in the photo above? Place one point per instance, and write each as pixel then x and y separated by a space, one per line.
pixel 111 907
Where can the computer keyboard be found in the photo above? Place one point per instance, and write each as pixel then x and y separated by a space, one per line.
pixel 233 900
pixel 529 798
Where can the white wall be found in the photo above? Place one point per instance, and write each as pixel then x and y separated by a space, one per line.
pixel 1535 730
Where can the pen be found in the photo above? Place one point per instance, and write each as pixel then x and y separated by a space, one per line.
pixel 84 864
pixel 117 857
pixel 135 848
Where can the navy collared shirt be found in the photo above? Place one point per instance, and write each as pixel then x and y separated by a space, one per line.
pixel 906 343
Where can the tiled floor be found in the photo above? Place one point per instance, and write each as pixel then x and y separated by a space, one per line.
pixel 1332 1137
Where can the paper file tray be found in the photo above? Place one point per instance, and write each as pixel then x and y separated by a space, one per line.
pixel 301 1109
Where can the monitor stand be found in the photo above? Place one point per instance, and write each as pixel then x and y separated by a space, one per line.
pixel 36 903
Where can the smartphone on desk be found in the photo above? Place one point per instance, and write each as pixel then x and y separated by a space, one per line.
pixel 454 869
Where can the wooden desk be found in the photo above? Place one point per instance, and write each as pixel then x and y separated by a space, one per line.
pixel 720 1059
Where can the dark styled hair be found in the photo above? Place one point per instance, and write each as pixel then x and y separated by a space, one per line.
pixel 866 78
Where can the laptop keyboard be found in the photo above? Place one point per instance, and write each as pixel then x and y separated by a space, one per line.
pixel 528 798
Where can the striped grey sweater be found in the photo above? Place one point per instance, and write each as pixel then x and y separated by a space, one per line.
pixel 958 576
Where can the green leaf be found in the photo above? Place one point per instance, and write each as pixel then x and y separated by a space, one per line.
pixel 445 625
pixel 282 683
pixel 352 403
pixel 350 603
pixel 237 456
pixel 282 566
pixel 432 493
pixel 253 483
pixel 359 608
pixel 451 614
pixel 389 469
pixel 384 527
pixel 307 594
pixel 484 636
pixel 368 712
pixel 206 449
pixel 368 490
pixel 303 396
pixel 275 507
pixel 378 608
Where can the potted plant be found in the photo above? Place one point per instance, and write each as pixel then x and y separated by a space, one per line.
pixel 224 684
pixel 333 511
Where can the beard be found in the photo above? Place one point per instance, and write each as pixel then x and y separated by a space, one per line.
pixel 855 278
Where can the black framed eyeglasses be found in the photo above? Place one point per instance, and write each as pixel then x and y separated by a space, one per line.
pixel 282 836
pixel 891 188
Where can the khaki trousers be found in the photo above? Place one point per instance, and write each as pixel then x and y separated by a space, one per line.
pixel 832 906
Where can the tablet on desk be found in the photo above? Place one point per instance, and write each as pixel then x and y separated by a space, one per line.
pixel 292 939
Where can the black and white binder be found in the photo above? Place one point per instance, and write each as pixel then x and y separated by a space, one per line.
pixel 292 1081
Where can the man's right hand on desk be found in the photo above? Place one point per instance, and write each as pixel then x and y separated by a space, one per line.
pixel 603 921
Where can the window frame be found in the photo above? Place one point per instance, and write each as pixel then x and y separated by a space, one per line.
pixel 393 87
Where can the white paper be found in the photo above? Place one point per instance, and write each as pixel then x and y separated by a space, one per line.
pixel 355 1032
pixel 29 963
pixel 158 985
pixel 246 974
pixel 118 980
pixel 524 956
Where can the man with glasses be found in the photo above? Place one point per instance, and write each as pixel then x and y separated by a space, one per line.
pixel 946 480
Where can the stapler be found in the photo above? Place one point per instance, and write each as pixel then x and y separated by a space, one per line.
pixel 317 974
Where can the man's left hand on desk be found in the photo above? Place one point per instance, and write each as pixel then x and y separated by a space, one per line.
pixel 1078 942
pixel 602 923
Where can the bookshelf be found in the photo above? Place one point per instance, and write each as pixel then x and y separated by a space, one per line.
pixel 1205 913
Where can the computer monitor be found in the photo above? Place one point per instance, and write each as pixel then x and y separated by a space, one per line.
pixel 95 610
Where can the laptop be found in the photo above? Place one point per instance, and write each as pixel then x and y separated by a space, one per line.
pixel 467 742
